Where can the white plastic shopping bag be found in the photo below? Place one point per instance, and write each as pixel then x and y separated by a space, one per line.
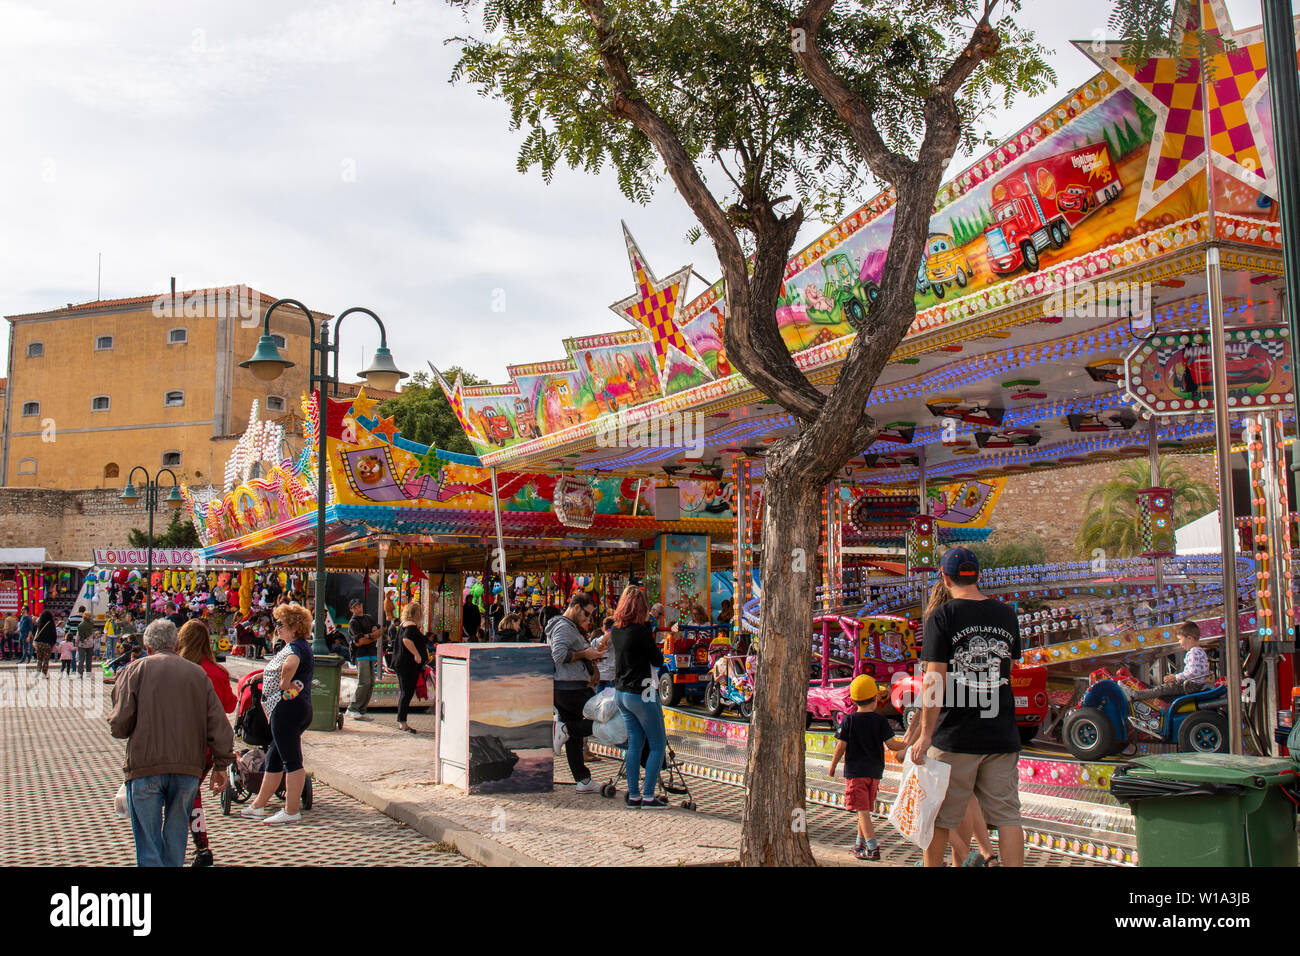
pixel 602 706
pixel 611 733
pixel 119 803
pixel 920 795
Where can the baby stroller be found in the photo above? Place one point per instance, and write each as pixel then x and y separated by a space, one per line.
pixel 245 776
pixel 671 778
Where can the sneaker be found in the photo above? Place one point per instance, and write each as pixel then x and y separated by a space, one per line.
pixel 202 858
pixel 654 803
pixel 353 715
pixel 588 786
pixel 252 811
pixel 559 734
pixel 632 802
pixel 284 817
pixel 870 854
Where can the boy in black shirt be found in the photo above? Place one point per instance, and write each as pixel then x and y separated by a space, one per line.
pixel 863 738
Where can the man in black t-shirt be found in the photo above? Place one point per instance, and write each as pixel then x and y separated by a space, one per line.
pixel 365 648
pixel 968 720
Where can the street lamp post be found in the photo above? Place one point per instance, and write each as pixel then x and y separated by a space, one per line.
pixel 268 363
pixel 173 499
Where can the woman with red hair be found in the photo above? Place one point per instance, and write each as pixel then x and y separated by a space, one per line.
pixel 635 652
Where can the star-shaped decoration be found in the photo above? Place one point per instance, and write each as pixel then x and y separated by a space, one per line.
pixel 1237 145
pixel 428 464
pixel 386 427
pixel 653 310
pixel 456 399
pixel 363 405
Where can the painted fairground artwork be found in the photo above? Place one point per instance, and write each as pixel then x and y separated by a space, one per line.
pixel 1173 374
pixel 680 566
pixel 370 462
pixel 614 372
pixel 1111 175
pixel 510 721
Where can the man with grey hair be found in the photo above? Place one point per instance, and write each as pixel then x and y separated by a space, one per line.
pixel 174 724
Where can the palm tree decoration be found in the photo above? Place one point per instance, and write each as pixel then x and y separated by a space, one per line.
pixel 1111 524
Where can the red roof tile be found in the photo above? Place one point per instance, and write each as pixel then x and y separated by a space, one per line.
pixel 140 300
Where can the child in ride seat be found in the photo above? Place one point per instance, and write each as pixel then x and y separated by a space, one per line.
pixel 1195 673
pixel 860 742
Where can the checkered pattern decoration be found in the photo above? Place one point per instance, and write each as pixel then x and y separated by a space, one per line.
pixel 1156 522
pixel 653 310
pixel 922 536
pixel 1237 146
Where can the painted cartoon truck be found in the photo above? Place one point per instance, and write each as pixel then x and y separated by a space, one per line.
pixel 1041 202
pixel 497 426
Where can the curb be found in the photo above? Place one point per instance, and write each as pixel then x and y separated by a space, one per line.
pixel 468 843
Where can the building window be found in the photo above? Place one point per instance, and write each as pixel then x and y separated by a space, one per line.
pixel 274 403
pixel 103 343
pixel 177 337
pixel 171 459
pixel 27 466
pixel 110 470
pixel 31 409
pixel 99 403
pixel 35 349
pixel 280 340
pixel 174 398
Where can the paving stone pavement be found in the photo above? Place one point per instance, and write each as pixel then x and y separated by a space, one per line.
pixel 59 769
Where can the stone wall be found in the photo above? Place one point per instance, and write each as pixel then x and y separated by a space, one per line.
pixel 69 525
pixel 1051 504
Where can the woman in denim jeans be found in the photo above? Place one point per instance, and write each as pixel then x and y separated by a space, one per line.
pixel 635 653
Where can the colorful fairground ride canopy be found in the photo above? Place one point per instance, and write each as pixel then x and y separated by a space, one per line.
pixel 426 502
pixel 1049 261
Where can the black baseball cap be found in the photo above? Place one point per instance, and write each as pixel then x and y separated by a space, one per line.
pixel 961 565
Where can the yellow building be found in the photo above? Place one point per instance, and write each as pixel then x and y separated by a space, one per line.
pixel 98 388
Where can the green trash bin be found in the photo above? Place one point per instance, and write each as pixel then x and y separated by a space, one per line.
pixel 1197 809
pixel 326 670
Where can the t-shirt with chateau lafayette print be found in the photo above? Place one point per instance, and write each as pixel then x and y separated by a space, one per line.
pixel 978 640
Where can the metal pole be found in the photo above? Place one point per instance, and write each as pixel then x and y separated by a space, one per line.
pixel 501 545
pixel 1227 537
pixel 149 504
pixel 1153 452
pixel 1284 92
pixel 319 646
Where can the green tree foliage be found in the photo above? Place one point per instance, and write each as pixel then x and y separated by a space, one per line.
pixel 424 415
pixel 179 533
pixel 1025 549
pixel 1111 520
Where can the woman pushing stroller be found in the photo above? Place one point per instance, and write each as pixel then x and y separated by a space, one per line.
pixel 286 700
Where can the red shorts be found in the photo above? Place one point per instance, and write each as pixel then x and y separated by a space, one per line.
pixel 860 793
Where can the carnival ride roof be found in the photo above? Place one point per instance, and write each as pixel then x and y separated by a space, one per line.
pixel 1025 351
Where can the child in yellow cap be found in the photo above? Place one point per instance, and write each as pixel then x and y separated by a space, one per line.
pixel 861 742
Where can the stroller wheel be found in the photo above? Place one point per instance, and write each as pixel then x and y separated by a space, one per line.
pixel 607 790
pixel 226 796
pixel 306 794
pixel 688 804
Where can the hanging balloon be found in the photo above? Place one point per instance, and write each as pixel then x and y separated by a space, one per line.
pixel 133 575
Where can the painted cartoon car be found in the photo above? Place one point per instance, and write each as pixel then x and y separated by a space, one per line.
pixel 524 420
pixel 946 264
pixel 497 426
pixel 1249 366
pixel 1076 198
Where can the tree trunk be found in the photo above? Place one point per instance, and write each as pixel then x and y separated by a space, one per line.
pixel 774 832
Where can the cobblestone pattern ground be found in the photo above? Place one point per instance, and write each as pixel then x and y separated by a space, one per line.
pixel 59 769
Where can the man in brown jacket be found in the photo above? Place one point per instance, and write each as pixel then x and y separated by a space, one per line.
pixel 169 714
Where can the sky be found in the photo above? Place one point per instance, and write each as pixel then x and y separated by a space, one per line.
pixel 316 150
